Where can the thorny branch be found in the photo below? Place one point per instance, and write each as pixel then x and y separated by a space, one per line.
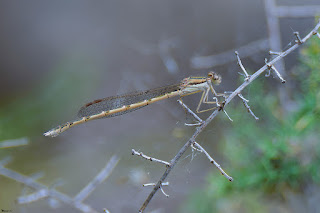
pixel 42 191
pixel 235 93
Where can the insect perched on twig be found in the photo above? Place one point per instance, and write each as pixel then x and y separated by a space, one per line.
pixel 119 105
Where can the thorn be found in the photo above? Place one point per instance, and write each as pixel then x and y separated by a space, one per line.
pixel 274 53
pixel 298 41
pixel 153 184
pixel 163 191
pixel 266 61
pixel 272 67
pixel 196 124
pixel 245 102
pixel 268 74
pixel 225 112
pixel 247 76
pixel 194 148
pixel 278 74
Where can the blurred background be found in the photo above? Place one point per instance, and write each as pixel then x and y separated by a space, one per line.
pixel 55 56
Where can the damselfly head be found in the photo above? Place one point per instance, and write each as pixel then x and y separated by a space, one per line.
pixel 214 77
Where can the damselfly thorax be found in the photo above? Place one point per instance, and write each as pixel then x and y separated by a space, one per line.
pixel 121 104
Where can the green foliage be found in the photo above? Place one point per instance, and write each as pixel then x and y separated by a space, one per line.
pixel 278 153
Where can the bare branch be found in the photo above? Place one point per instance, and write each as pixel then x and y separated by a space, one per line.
pixel 163 191
pixel 225 112
pixel 195 148
pixel 245 102
pixel 278 74
pixel 215 113
pixel 153 184
pixel 161 187
pixel 98 179
pixel 272 67
pixel 274 53
pixel 212 161
pixel 298 41
pixel 192 113
pixel 241 66
pixel 134 152
pixel 43 191
pixel 52 193
pixel 14 143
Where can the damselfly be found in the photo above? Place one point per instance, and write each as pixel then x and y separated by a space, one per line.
pixel 118 105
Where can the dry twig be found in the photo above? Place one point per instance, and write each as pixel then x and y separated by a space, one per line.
pixel 201 149
pixel 43 191
pixel 134 152
pixel 14 143
pixel 220 108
